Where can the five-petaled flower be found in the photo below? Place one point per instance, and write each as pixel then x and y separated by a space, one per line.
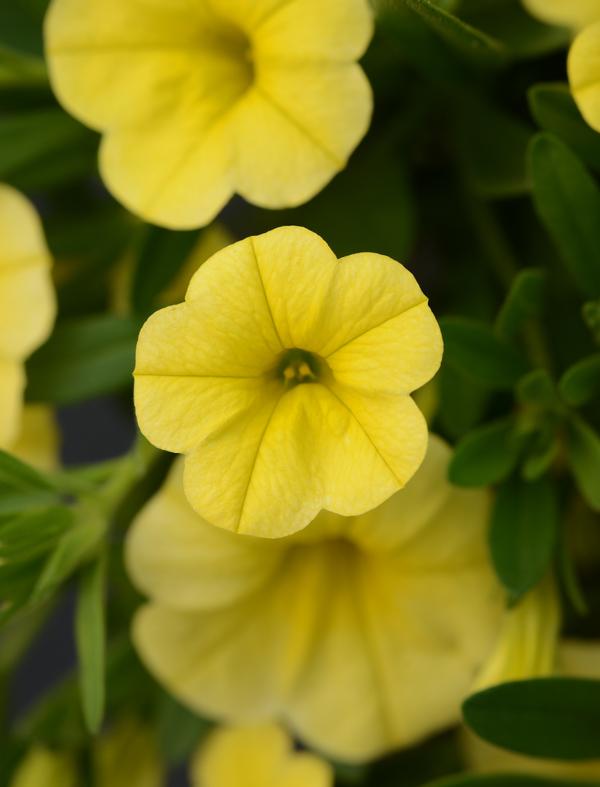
pixel 285 378
pixel 363 635
pixel 256 756
pixel 27 303
pixel 583 16
pixel 200 100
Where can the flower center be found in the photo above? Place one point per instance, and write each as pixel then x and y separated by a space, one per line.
pixel 297 366
pixel 235 49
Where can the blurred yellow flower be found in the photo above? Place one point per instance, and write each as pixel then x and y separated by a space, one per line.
pixel 125 756
pixel 285 379
pixel 197 102
pixel 27 303
pixel 38 441
pixel 128 756
pixel 576 659
pixel 575 14
pixel 259 756
pixel 584 57
pixel 362 634
pixel 42 766
pixel 528 641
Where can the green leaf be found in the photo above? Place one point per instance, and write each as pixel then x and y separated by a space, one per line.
pixel 583 451
pixel 161 257
pixel 505 780
pixel 553 107
pixel 15 475
pixel 474 349
pixel 508 22
pixel 179 730
pixel 78 544
pixel 467 40
pixel 90 636
pixel 538 388
pixel 591 315
pixel 19 70
pixel 555 718
pixel 85 357
pixel 523 533
pixel 492 146
pixel 581 383
pixel 44 147
pixel 525 300
pixel 567 200
pixel 486 455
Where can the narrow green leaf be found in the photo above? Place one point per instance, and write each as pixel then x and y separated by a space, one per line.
pixel 486 455
pixel 467 40
pixel 591 315
pixel 85 357
pixel 44 147
pixel 553 107
pixel 555 718
pixel 90 636
pixel 76 546
pixel 474 349
pixel 523 534
pixel 492 146
pixel 525 300
pixel 581 383
pixel 583 451
pixel 15 475
pixel 567 200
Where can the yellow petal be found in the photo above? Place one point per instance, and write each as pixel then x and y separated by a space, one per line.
pixel 42 766
pixel 238 756
pixel 12 385
pixel 527 645
pixel 309 449
pixel 177 558
pixel 584 73
pixel 296 268
pixel 127 756
pixel 38 439
pixel 416 505
pixel 27 302
pixel 570 13
pixel 289 32
pixel 306 770
pixel 369 291
pixel 304 120
pixel 109 63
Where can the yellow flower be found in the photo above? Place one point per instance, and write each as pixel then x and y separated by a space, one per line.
pixel 575 659
pixel 27 303
pixel 362 634
pixel 285 379
pixel 125 756
pixel 575 14
pixel 199 101
pixel 128 756
pixel 37 444
pixel 259 756
pixel 527 646
pixel 584 57
pixel 45 767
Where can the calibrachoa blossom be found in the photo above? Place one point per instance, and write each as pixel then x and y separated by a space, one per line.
pixel 285 379
pixel 260 756
pixel 584 61
pixel 38 441
pixel 200 100
pixel 27 303
pixel 362 634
